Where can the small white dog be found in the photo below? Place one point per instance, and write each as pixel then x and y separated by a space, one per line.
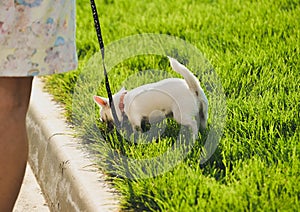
pixel 183 98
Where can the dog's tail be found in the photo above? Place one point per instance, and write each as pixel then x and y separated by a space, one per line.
pixel 194 86
pixel 189 77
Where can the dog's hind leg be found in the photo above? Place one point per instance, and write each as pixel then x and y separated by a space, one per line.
pixel 187 121
pixel 193 125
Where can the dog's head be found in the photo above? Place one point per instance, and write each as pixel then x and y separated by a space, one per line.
pixel 105 110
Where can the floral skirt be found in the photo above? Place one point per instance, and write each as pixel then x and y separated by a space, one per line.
pixel 37 37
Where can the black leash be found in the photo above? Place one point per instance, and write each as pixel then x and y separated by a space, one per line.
pixel 101 44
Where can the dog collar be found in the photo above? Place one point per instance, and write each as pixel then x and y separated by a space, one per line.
pixel 121 103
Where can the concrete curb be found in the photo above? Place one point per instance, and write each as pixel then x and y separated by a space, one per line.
pixel 68 178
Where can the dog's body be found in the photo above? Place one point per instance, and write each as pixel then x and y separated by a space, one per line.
pixel 183 98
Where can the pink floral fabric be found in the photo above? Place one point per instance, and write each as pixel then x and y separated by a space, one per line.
pixel 37 37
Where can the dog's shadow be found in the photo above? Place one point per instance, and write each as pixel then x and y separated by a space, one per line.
pixel 150 131
pixel 177 136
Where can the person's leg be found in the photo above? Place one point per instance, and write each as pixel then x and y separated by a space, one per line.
pixel 14 99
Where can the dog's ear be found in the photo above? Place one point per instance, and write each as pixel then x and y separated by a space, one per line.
pixel 102 102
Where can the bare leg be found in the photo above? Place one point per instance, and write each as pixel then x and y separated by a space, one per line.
pixel 14 99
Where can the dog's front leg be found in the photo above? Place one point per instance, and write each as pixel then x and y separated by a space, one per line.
pixel 136 128
pixel 135 123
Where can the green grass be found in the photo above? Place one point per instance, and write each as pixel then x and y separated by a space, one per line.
pixel 254 47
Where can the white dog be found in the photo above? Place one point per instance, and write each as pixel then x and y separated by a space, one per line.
pixel 183 98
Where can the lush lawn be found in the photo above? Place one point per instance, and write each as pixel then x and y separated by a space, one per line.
pixel 254 47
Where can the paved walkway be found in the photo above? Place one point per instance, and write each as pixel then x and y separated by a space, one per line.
pixel 30 197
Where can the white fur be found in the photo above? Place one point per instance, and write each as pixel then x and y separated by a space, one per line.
pixel 182 97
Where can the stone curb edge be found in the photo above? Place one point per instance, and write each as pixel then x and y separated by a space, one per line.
pixel 67 176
